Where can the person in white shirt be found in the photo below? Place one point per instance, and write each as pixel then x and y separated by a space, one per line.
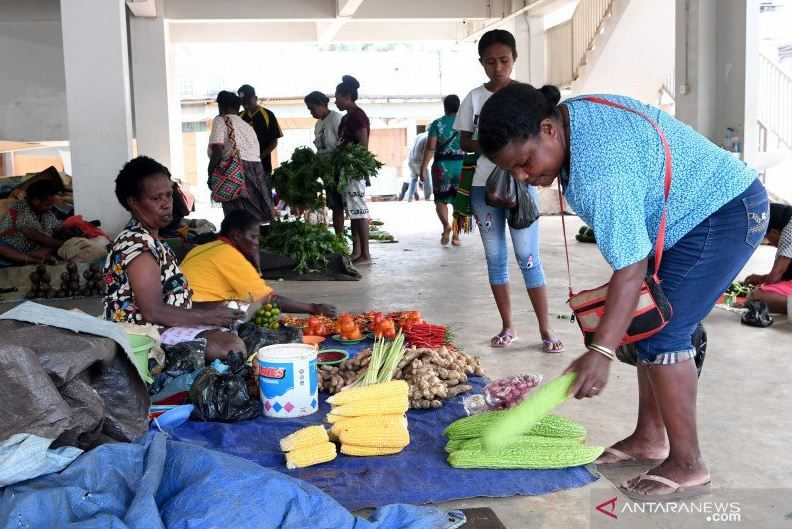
pixel 326 141
pixel 230 133
pixel 497 53
pixel 415 160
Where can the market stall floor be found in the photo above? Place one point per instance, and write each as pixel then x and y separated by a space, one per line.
pixel 745 400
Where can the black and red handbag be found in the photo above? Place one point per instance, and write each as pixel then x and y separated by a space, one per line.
pixel 653 311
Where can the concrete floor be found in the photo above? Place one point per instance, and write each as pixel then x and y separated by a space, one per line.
pixel 744 395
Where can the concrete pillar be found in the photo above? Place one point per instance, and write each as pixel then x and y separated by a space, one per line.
pixel 98 104
pixel 155 95
pixel 716 67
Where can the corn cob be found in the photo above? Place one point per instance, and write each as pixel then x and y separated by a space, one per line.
pixel 332 418
pixel 389 406
pixel 368 421
pixel 524 441
pixel 386 436
pixel 522 418
pixel 362 451
pixel 311 455
pixel 525 458
pixel 384 390
pixel 548 426
pixel 304 437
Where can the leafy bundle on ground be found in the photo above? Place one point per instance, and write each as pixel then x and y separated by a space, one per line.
pixel 310 245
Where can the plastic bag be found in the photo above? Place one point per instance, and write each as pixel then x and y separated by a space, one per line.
pixel 224 398
pixel 510 391
pixel 255 337
pixel 180 359
pixel 526 212
pixel 502 189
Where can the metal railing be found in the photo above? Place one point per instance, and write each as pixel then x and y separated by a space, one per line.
pixel 775 101
pixel 575 39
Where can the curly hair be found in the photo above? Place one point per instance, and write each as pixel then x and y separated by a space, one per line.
pixel 129 182
pixel 515 112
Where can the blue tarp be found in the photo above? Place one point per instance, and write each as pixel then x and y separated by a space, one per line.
pixel 158 483
pixel 418 475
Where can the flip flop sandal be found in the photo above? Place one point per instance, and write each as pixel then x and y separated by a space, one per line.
pixel 445 238
pixel 678 492
pixel 502 340
pixel 553 346
pixel 625 460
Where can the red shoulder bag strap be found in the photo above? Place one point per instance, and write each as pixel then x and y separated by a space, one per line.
pixel 661 232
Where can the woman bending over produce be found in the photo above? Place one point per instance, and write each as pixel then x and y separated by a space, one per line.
pixel 610 161
pixel 497 53
pixel 776 287
pixel 228 268
pixel 144 283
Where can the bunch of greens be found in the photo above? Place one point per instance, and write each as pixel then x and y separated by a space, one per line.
pixel 353 162
pixel 299 180
pixel 310 245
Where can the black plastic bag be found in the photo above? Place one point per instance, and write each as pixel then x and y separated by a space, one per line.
pixel 182 358
pixel 224 397
pixel 255 337
pixel 526 212
pixel 501 190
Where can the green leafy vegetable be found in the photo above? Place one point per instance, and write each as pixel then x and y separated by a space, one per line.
pixel 310 245
pixel 299 181
pixel 352 162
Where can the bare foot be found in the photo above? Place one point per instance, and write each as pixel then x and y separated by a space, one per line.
pixel 637 447
pixel 685 474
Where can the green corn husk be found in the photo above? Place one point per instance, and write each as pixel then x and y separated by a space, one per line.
pixel 522 418
pixel 548 426
pixel 545 457
pixel 524 441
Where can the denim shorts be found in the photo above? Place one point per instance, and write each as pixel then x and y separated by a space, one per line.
pixel 492 227
pixel 700 267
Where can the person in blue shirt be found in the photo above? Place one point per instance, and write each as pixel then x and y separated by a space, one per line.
pixel 611 164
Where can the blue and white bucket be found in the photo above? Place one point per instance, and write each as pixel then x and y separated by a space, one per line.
pixel 288 380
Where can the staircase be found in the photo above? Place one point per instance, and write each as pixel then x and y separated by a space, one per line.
pixel 775 104
pixel 571 43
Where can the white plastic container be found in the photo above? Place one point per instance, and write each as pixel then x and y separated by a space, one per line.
pixel 288 381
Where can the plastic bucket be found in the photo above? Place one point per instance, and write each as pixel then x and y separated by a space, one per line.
pixel 141 346
pixel 288 381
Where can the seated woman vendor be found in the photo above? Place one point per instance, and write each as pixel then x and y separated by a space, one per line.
pixel 776 287
pixel 227 269
pixel 144 283
pixel 27 230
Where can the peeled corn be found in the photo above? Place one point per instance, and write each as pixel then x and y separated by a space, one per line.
pixel 383 390
pixel 548 426
pixel 389 406
pixel 311 455
pixel 385 436
pixel 304 437
pixel 355 450
pixel 368 421
pixel 526 458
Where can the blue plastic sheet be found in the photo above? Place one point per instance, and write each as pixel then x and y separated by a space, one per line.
pixel 418 475
pixel 158 484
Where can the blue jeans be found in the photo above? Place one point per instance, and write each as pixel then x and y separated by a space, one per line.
pixel 700 267
pixel 414 178
pixel 492 227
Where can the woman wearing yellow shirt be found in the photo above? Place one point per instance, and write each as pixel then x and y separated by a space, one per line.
pixel 227 269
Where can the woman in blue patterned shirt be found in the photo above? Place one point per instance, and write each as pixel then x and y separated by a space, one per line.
pixel 611 164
